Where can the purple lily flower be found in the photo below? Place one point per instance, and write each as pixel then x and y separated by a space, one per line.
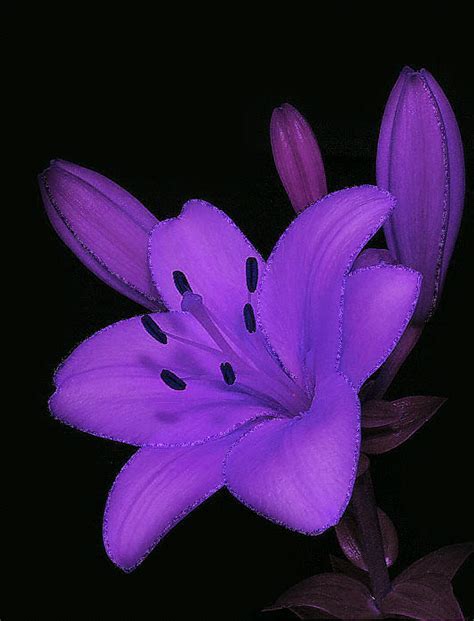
pixel 420 161
pixel 251 380
pixel 105 227
pixel 297 157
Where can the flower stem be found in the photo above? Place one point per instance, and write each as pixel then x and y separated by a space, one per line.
pixel 395 360
pixel 364 509
pixel 363 503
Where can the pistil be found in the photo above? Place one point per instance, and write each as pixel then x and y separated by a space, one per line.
pixel 254 377
pixel 192 303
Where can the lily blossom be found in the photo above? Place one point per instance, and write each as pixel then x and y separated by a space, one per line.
pixel 420 160
pixel 297 157
pixel 251 380
pixel 105 226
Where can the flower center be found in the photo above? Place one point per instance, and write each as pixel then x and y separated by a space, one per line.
pixel 257 372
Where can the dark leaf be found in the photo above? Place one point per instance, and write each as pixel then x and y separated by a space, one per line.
pixel 430 599
pixel 335 594
pixel 306 612
pixel 341 566
pixel 424 591
pixel 377 413
pixel 364 463
pixel 366 390
pixel 444 562
pixel 347 536
pixel 387 424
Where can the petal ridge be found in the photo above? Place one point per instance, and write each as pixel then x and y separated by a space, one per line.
pixel 308 213
pixel 207 484
pixel 264 415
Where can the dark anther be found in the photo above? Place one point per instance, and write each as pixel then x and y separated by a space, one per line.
pixel 228 373
pixel 154 329
pixel 172 380
pixel 181 282
pixel 251 272
pixel 249 318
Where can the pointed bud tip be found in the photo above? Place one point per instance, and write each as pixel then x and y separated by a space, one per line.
pixel 416 75
pixel 286 111
pixel 287 107
pixel 54 164
pixel 411 71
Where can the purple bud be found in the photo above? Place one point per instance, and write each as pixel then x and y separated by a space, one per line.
pixel 105 227
pixel 297 157
pixel 420 161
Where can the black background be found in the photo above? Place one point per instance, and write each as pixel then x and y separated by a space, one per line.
pixel 167 145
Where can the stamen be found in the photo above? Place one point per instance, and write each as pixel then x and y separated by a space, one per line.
pixel 172 380
pixel 249 318
pixel 154 329
pixel 181 282
pixel 228 373
pixel 251 272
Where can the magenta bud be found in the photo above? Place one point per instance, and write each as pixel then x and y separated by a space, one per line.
pixel 297 157
pixel 105 227
pixel 420 160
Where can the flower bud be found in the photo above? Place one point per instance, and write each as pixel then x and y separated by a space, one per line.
pixel 420 161
pixel 105 227
pixel 297 157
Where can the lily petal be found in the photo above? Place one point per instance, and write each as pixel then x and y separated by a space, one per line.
pixel 105 227
pixel 300 298
pixel 208 248
pixel 300 472
pixel 154 491
pixel 379 301
pixel 110 386
pixel 456 168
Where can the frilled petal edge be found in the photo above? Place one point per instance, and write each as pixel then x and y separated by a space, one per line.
pixel 111 386
pixel 204 245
